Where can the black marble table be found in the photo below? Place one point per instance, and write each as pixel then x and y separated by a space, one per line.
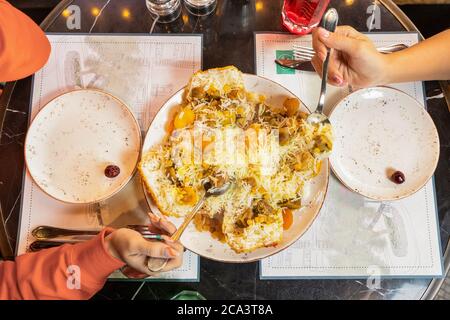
pixel 230 27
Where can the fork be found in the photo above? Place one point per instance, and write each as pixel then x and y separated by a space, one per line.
pixel 306 53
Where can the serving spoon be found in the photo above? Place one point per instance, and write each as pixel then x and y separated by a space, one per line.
pixel 329 23
pixel 157 264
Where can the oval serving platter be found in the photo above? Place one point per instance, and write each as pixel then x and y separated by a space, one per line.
pixel 202 243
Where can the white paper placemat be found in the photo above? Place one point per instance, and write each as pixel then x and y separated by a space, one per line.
pixel 353 236
pixel 143 71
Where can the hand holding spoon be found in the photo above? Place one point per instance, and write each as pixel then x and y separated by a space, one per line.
pixel 157 264
pixel 329 22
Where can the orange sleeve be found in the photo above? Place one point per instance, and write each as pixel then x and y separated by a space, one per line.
pixel 68 272
pixel 24 48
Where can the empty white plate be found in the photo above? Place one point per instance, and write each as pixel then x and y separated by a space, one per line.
pixel 379 131
pixel 74 138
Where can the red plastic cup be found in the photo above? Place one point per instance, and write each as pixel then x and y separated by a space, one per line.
pixel 301 16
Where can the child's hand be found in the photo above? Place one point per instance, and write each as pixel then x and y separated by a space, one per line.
pixel 130 247
pixel 354 59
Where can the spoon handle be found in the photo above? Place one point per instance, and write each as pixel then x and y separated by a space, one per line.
pixel 45 244
pixel 329 23
pixel 177 235
pixel 48 232
pixel 323 87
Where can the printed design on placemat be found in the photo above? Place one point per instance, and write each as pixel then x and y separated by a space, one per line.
pixel 284 54
pixel 121 67
pixel 381 235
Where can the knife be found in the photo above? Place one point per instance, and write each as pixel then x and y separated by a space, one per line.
pixel 301 65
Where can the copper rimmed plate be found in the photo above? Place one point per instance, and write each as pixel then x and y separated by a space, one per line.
pixel 72 140
pixel 201 242
pixel 379 131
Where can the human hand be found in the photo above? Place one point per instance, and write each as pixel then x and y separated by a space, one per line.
pixel 354 59
pixel 130 247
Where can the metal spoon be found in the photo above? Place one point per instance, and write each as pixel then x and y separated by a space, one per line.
pixel 329 22
pixel 157 264
pixel 48 232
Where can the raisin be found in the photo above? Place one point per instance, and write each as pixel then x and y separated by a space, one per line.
pixel 112 171
pixel 398 177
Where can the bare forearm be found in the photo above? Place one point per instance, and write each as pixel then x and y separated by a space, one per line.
pixel 428 60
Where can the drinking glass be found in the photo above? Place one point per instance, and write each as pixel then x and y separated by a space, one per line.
pixel 165 10
pixel 301 16
pixel 200 7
